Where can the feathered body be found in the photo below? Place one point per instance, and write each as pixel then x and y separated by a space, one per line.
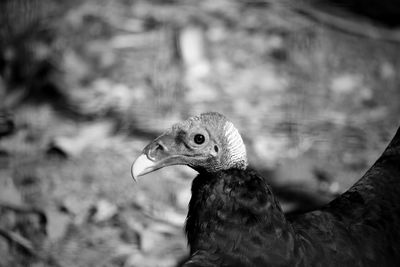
pixel 233 216
pixel 235 220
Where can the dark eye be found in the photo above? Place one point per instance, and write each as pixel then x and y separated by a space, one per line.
pixel 199 139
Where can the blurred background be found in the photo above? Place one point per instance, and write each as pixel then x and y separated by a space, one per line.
pixel 312 85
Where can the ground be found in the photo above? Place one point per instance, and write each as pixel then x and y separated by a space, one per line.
pixel 87 89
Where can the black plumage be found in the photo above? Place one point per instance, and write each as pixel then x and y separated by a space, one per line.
pixel 235 220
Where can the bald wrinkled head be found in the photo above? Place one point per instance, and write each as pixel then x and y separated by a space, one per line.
pixel 208 142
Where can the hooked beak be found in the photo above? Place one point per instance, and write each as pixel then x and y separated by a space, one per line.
pixel 141 166
pixel 158 154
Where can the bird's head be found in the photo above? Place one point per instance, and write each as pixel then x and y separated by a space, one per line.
pixel 208 142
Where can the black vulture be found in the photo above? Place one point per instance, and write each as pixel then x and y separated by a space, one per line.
pixel 235 220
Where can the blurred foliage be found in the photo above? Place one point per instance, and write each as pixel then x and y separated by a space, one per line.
pixel 84 85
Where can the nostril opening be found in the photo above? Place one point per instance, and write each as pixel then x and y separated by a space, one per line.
pixel 156 150
pixel 159 147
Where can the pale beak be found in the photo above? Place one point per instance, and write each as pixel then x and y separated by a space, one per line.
pixel 142 166
pixel 158 154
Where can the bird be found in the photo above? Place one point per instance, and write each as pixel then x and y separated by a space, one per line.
pixel 234 218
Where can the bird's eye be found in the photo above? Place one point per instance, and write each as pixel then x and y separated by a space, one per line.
pixel 199 139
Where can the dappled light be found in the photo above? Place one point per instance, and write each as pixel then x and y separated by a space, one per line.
pixel 313 88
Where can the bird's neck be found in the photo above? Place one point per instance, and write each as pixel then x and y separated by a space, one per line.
pixel 234 213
